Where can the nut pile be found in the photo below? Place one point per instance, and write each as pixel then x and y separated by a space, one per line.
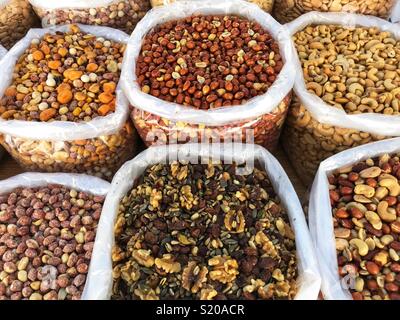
pixel 64 76
pixel 202 232
pixel 16 18
pixel 288 10
pixel 67 77
pixel 208 62
pixel 266 5
pixel 46 241
pixel 101 156
pixel 352 69
pixel 366 217
pixel 120 14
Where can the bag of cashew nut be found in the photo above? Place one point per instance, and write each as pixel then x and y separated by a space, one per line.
pixel 39 263
pixel 168 161
pixel 354 209
pixel 16 18
pixel 266 5
pixel 61 108
pixel 288 10
pixel 118 14
pixel 215 91
pixel 346 89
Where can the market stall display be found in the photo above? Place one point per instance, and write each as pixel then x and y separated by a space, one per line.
pixel 180 222
pixel 48 224
pixel 118 14
pixel 346 88
pixel 354 220
pixel 61 108
pixel 16 18
pixel 288 10
pixel 221 76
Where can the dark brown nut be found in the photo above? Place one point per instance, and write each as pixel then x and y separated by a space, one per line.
pixel 16 18
pixel 239 238
pixel 370 244
pixel 120 14
pixel 288 10
pixel 44 264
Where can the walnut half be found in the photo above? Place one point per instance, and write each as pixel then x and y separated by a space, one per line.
pixel 224 270
pixel 168 264
pixel 194 276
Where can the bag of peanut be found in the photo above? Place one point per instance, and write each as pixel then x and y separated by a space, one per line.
pixel 48 224
pixel 16 18
pixel 109 264
pixel 346 89
pixel 355 223
pixel 231 87
pixel 61 106
pixel 118 14
pixel 266 5
pixel 288 10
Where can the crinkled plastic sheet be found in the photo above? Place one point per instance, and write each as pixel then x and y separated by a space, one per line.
pixel 100 279
pixel 62 130
pixel 79 182
pixel 379 124
pixel 320 212
pixel 172 111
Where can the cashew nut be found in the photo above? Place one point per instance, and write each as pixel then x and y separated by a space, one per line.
pixel 392 185
pixel 385 214
pixel 360 245
pixel 365 190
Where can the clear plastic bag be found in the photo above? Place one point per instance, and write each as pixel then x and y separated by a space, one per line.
pixel 100 273
pixel 320 212
pixel 315 129
pixel 78 182
pixel 97 147
pixel 153 114
pixel 16 18
pixel 266 5
pixel 118 14
pixel 288 10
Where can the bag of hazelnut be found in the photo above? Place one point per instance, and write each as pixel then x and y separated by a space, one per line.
pixel 227 74
pixel 144 226
pixel 266 5
pixel 48 225
pixel 346 89
pixel 118 14
pixel 61 106
pixel 288 10
pixel 16 18
pixel 355 222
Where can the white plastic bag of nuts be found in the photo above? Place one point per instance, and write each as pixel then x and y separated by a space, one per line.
pixel 100 277
pixel 214 104
pixel 3 52
pixel 288 10
pixel 118 14
pixel 353 203
pixel 97 147
pixel 266 5
pixel 16 18
pixel 341 102
pixel 38 261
